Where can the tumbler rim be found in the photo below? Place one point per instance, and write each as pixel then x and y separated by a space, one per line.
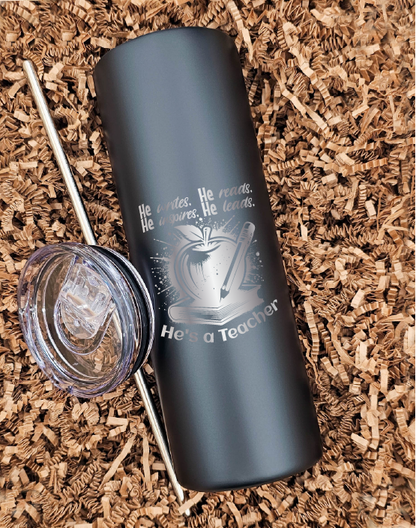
pixel 58 290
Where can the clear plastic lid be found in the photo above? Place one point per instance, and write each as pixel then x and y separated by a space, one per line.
pixel 86 317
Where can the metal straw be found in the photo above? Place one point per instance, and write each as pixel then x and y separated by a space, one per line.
pixel 88 233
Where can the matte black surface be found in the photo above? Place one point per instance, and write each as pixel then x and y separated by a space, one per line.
pixel 176 118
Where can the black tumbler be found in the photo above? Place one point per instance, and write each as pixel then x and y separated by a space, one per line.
pixel 229 368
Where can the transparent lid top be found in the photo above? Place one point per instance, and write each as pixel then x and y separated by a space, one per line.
pixel 86 317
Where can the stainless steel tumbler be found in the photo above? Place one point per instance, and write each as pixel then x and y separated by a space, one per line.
pixel 229 367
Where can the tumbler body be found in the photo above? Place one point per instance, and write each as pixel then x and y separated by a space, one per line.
pixel 229 368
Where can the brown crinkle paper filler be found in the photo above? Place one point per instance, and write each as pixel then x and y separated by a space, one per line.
pixel 331 91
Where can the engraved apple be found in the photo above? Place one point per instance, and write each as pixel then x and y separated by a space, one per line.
pixel 202 265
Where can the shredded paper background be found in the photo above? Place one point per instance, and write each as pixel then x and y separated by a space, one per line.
pixel 332 92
